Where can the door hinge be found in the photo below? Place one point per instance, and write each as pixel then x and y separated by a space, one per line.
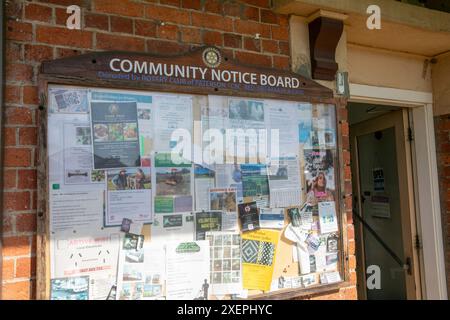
pixel 417 242
pixel 410 134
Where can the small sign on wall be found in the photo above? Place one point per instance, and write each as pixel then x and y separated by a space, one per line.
pixel 380 206
pixel 378 179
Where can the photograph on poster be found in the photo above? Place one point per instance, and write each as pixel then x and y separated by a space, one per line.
pixel 115 138
pixel 254 180
pixel 203 181
pixel 225 257
pixel 129 196
pixel 173 227
pixel 70 288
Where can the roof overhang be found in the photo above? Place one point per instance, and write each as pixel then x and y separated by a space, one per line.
pixel 404 28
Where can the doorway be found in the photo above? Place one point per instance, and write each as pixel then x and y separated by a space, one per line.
pixel 383 202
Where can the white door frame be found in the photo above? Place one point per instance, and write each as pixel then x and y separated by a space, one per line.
pixel 429 226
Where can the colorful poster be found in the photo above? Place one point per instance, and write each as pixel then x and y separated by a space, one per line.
pixel 258 258
pixel 173 183
pixel 249 216
pixel 224 199
pixel 207 221
pixel 319 175
pixel 129 196
pixel 225 257
pixel 114 127
pixel 254 180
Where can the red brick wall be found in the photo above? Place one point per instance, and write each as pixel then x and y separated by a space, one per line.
pixel 442 125
pixel 36 31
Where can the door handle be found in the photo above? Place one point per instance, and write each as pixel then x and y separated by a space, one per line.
pixel 408 266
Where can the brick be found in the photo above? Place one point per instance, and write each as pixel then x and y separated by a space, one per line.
pixel 280 33
pixel 233 9
pixel 284 48
pixel 17 290
pixel 28 136
pixel 344 129
pixel 166 47
pixel 30 95
pixel 269 46
pixel 16 246
pixel 145 28
pixel 250 13
pixel 25 267
pixel 64 52
pixel 16 115
pixel 254 59
pixel 191 4
pixel 9 178
pixel 281 62
pixel 283 20
pixel 127 8
pixel 19 72
pixel 61 16
pixel 12 94
pixel 96 21
pixel 114 42
pixel 212 21
pixel 212 38
pixel 252 44
pixel 8 268
pixel 19 31
pixel 17 157
pixel 170 2
pixel 167 14
pixel 13 9
pixel 350 293
pixel 27 179
pixel 66 3
pixel 191 35
pixel 38 53
pixel 26 222
pixel 351 247
pixel 232 40
pixel 64 37
pixel 251 27
pixel 122 25
pixel 9 136
pixel 268 16
pixel 7 224
pixel 38 13
pixel 347 173
pixel 16 201
pixel 168 31
pixel 214 6
pixel 258 3
pixel 13 51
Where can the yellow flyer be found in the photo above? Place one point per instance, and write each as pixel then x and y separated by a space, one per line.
pixel 258 258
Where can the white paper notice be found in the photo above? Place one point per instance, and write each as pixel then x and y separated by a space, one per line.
pixel 94 255
pixel 271 218
pixel 172 227
pixel 187 266
pixel 327 217
pixel 202 186
pixel 132 204
pixel 76 210
pixel 171 113
pixel 284 182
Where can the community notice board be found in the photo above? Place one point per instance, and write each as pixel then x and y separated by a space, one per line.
pixel 178 196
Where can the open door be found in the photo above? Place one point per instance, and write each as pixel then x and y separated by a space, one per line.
pixel 384 207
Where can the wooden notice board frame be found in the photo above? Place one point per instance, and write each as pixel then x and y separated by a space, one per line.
pixel 108 70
